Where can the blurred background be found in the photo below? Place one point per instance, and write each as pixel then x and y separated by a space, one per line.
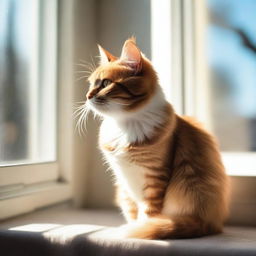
pixel 232 62
pixel 203 51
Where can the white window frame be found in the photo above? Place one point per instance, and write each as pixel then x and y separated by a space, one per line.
pixel 26 187
pixel 167 60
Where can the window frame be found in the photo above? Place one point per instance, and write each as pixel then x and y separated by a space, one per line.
pixel 30 186
pixel 242 176
pixel 186 30
pixel 195 18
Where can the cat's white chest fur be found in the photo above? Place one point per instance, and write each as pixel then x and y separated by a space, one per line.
pixel 118 133
pixel 129 175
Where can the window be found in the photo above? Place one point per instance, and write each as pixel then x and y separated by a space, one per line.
pixel 229 68
pixel 28 83
pixel 232 64
pixel 29 155
pixel 212 72
pixel 233 85
pixel 211 76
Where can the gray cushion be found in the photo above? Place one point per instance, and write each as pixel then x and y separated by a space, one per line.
pixel 84 240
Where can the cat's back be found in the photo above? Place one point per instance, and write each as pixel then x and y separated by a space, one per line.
pixel 191 132
pixel 196 147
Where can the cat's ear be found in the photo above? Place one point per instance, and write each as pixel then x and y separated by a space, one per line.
pixel 105 56
pixel 131 55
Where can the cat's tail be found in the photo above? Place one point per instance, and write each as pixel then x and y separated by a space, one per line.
pixel 163 228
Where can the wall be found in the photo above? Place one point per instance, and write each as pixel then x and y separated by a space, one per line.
pixel 117 20
pixel 114 22
pixel 84 46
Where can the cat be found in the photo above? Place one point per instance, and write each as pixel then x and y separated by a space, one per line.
pixel 170 179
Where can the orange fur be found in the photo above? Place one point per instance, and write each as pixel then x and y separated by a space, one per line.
pixel 185 189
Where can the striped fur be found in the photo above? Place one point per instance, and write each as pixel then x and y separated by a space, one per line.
pixel 170 178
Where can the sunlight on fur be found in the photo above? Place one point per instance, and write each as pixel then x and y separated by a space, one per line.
pixel 168 172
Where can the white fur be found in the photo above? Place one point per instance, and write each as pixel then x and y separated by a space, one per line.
pixel 121 129
pixel 128 175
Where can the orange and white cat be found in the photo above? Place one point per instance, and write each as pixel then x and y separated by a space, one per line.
pixel 170 179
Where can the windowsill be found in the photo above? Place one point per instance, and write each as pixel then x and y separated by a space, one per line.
pixel 71 231
pixel 33 197
pixel 64 214
pixel 240 163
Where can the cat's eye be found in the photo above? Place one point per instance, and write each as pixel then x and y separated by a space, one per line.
pixel 105 83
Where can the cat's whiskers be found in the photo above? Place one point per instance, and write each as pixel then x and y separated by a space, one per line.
pixel 93 63
pixel 82 77
pixel 86 72
pixel 89 65
pixel 78 110
pixel 89 70
pixel 82 71
pixel 81 112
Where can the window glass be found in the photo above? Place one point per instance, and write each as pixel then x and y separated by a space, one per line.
pixel 27 82
pixel 232 72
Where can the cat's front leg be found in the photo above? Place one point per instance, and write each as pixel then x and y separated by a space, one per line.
pixel 154 193
pixel 128 206
pixel 151 207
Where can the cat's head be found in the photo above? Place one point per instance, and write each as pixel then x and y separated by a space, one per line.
pixel 121 86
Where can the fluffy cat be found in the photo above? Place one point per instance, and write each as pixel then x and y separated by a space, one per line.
pixel 170 179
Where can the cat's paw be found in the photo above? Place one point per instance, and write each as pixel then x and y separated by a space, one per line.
pixel 122 232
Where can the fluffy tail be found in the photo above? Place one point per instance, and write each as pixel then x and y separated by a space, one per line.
pixel 163 228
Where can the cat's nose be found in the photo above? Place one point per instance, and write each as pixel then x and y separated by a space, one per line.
pixel 89 95
pixel 92 92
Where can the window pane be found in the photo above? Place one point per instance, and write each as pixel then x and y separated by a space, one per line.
pixel 27 81
pixel 232 73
